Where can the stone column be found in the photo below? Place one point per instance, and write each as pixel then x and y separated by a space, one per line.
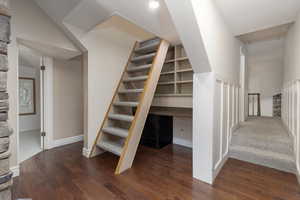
pixel 5 130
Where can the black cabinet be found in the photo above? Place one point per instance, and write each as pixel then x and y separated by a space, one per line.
pixel 158 131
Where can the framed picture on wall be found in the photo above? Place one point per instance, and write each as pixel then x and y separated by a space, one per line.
pixel 27 104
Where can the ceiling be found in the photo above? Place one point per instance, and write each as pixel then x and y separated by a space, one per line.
pixel 245 16
pixel 276 32
pixel 88 13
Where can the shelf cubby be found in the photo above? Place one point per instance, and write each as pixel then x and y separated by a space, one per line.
pixel 177 74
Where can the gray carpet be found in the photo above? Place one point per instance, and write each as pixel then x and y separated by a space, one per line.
pixel 264 141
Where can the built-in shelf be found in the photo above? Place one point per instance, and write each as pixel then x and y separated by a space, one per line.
pixel 167 73
pixel 182 59
pixel 170 61
pixel 166 83
pixel 184 70
pixel 173 95
pixel 184 82
pixel 176 59
pixel 176 79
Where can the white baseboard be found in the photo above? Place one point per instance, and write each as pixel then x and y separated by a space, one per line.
pixel 235 127
pixel 86 152
pixel 15 170
pixel 183 142
pixel 219 166
pixel 66 141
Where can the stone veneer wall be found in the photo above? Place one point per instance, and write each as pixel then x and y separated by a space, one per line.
pixel 5 131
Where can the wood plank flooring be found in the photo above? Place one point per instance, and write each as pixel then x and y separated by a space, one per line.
pixel 166 174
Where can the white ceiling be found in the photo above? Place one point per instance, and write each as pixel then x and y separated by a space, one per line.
pixel 245 16
pixel 88 13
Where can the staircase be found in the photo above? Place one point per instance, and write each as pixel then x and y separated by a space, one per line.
pixel 122 127
pixel 263 141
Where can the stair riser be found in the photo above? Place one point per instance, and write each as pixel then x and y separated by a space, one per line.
pixel 264 161
pixel 279 147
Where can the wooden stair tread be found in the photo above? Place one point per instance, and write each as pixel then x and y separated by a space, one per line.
pixel 137 78
pixel 126 103
pixel 121 117
pixel 116 131
pixel 148 48
pixel 139 68
pixel 126 147
pixel 142 58
pixel 126 91
pixel 149 41
pixel 114 147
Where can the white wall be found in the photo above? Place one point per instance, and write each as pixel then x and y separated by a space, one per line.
pixel 210 132
pixel 291 90
pixel 109 46
pixel 31 122
pixel 183 131
pixel 68 98
pixel 28 23
pixel 265 68
pixel 292 49
pixel 226 121
pixel 222 48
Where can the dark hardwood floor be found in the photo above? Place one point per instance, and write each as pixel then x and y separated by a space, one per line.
pixel 64 174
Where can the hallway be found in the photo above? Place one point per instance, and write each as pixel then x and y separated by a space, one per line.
pixel 264 141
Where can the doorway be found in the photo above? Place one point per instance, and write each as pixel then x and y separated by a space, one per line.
pixel 30 103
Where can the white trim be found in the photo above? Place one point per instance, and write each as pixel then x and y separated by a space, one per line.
pixel 220 165
pixel 86 152
pixel 49 102
pixel 203 119
pixel 15 170
pixel 66 141
pixel 183 142
pixel 234 128
pixel 222 123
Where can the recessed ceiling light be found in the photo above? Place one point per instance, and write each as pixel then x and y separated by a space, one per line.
pixel 153 4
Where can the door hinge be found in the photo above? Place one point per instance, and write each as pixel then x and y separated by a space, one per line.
pixel 43 134
pixel 43 68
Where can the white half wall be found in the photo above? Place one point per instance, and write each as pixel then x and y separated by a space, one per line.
pixel 216 117
pixel 291 89
pixel 226 121
pixel 291 115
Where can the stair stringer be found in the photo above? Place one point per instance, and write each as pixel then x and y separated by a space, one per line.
pixel 137 126
pixel 115 96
